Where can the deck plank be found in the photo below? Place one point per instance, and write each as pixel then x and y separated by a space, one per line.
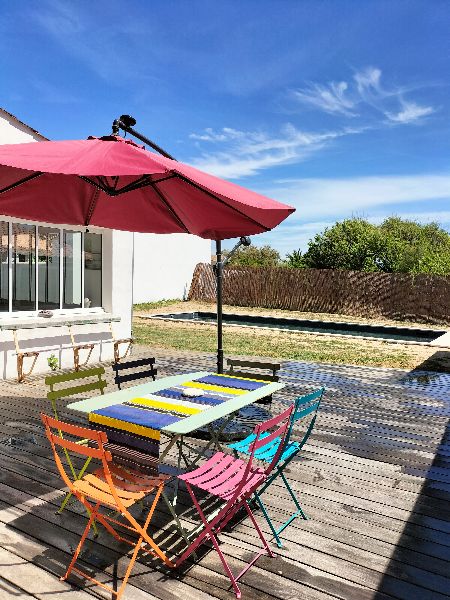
pixel 374 479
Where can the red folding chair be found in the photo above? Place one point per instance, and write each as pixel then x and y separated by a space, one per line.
pixel 234 481
pixel 109 486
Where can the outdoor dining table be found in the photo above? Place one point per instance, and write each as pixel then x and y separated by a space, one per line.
pixel 143 412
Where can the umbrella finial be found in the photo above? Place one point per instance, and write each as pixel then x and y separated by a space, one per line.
pixel 123 122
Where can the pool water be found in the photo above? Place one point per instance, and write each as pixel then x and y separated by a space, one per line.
pixel 405 334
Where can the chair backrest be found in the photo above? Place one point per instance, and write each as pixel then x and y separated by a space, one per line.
pixel 133 376
pixel 255 365
pixel 270 432
pixel 304 406
pixel 78 377
pixel 66 437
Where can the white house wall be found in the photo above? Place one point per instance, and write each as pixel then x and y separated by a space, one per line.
pixel 14 132
pixel 116 293
pixel 164 264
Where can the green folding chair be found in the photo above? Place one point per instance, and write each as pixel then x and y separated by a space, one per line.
pixel 304 407
pixel 79 377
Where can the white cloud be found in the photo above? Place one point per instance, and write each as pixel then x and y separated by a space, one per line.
pixel 224 135
pixel 410 113
pixel 322 202
pixel 368 80
pixel 330 98
pixel 291 236
pixel 366 90
pixel 244 153
pixel 339 198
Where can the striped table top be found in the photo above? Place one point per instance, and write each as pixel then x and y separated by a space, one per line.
pixel 146 415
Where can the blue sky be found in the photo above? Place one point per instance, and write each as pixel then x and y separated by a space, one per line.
pixel 339 108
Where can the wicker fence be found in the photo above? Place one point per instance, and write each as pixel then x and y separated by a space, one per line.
pixel 422 298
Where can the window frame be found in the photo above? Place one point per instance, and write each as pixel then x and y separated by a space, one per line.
pixel 58 311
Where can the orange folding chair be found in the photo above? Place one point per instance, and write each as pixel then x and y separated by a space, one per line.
pixel 110 486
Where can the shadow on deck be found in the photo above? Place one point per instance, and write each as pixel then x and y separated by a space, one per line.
pixel 374 480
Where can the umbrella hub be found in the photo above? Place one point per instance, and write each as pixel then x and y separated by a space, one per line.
pixel 117 185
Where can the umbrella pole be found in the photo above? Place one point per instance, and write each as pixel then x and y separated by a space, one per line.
pixel 219 280
pixel 218 271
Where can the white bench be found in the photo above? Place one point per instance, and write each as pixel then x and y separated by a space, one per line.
pixel 22 323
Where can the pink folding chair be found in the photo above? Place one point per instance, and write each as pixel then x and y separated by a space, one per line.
pixel 234 481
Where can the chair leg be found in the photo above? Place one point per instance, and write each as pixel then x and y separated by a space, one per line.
pixel 208 532
pixel 269 522
pixel 81 542
pixel 211 532
pixel 74 474
pixel 142 530
pixel 178 524
pixel 293 496
pixel 233 580
pixel 298 513
pixel 260 533
pixel 129 568
pixel 69 495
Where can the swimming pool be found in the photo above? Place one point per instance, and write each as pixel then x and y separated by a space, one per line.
pixel 385 332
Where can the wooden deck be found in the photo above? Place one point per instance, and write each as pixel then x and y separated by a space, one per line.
pixel 375 482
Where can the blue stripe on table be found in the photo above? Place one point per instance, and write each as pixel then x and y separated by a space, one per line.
pixel 231 382
pixel 128 439
pixel 138 416
pixel 171 393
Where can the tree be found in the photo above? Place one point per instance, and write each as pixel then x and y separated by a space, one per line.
pixel 295 260
pixel 352 244
pixel 395 246
pixel 411 247
pixel 256 256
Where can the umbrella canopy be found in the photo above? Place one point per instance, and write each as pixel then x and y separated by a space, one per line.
pixel 112 182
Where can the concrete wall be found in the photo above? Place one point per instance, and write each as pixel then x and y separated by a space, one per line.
pixel 164 264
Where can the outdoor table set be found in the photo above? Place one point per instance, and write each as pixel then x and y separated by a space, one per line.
pixel 168 406
pixel 173 409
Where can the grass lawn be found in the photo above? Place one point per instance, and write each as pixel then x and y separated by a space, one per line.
pixel 239 341
pixel 177 305
pixel 279 344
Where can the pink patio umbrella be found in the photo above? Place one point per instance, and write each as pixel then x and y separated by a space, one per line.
pixel 114 183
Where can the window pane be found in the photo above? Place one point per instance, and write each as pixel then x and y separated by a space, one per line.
pixel 48 265
pixel 72 269
pixel 92 270
pixel 4 264
pixel 24 263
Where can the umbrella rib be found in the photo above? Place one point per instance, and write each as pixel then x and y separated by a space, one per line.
pixel 91 182
pixel 134 185
pixel 144 181
pixel 211 195
pixel 21 181
pixel 92 205
pixel 169 206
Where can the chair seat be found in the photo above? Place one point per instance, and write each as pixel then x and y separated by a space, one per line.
pixel 130 486
pixel 265 453
pixel 221 476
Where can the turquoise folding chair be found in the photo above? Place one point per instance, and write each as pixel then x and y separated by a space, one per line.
pixel 304 406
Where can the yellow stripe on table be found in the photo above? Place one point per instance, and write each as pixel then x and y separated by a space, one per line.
pixel 237 377
pixel 125 426
pixel 208 387
pixel 169 406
